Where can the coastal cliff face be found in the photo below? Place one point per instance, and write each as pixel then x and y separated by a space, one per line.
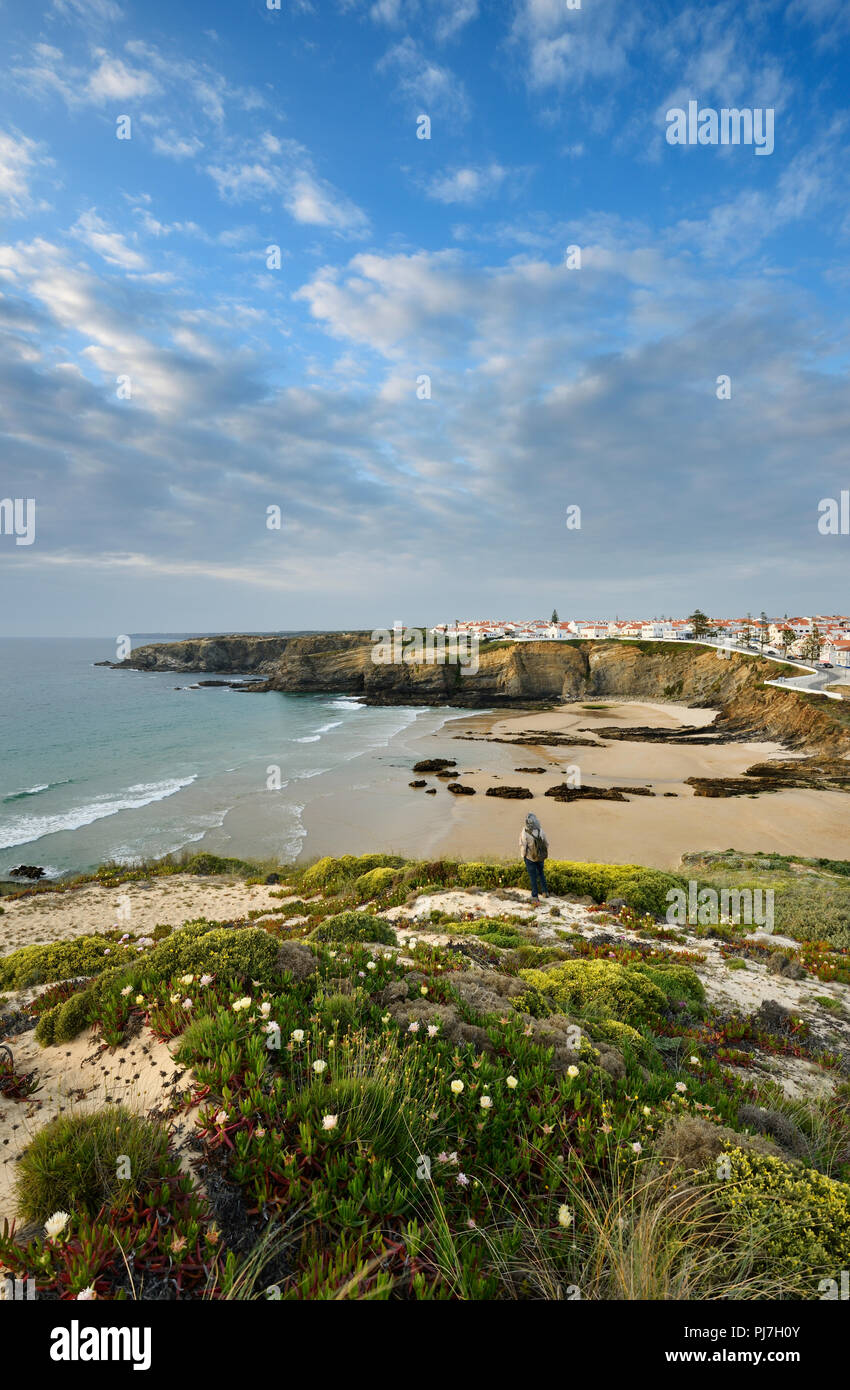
pixel 525 674
pixel 231 654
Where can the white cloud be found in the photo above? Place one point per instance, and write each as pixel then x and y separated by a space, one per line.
pixel 99 11
pixel 20 159
pixel 177 146
pixel 468 185
pixel 316 203
pixel 114 80
pixel 111 246
pixel 424 85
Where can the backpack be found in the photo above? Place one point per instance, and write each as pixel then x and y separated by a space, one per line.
pixel 537 851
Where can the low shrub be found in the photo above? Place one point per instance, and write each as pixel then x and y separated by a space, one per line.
pixel 800 1218
pixel 58 960
pixel 600 988
pixel 370 884
pixel 330 875
pixel 73 1162
pixel 354 926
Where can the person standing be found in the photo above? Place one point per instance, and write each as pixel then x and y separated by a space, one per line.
pixel 534 848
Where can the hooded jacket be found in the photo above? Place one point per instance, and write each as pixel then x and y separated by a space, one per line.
pixel 532 836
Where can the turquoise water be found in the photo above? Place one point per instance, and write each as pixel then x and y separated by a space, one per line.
pixel 101 764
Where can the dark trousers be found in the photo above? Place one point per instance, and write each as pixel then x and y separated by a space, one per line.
pixel 537 877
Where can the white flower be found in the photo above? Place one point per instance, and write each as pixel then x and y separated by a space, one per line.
pixel 175 998
pixel 205 980
pixel 512 1083
pixel 88 1293
pixel 388 955
pixel 457 1087
pixel 186 979
pixel 319 1066
pixel 297 1035
pixel 638 1147
pixel 646 1110
pixel 221 1117
pixel 462 1180
pixel 565 1216
pixel 187 1004
pixel 680 1086
pixel 486 1102
pixel 385 1018
pixel 413 1028
pixel 55 1224
pixel 694 1061
pixel 411 941
pixel 265 1009
pixel 423 989
pixel 572 1071
pixel 433 1030
pixel 333 954
pixel 126 990
pixel 329 1121
pixel 371 965
pixel 244 1003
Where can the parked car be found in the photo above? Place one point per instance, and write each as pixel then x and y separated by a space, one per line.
pixel 825 665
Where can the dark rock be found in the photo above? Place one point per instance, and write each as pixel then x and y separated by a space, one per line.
pixel 272 878
pixel 447 776
pixel 510 793
pixel 432 791
pixel 434 764
pixel 30 871
pixel 564 793
pixel 420 782
pixel 634 791
pixel 458 789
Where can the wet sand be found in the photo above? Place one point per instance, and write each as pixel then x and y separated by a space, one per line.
pixel 353 816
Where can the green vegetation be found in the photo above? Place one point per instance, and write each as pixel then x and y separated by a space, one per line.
pixel 355 926
pixel 386 1125
pixel 74 1161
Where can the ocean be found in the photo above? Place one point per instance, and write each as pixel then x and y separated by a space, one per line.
pixel 102 765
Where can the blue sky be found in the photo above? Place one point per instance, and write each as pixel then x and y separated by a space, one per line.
pixel 161 386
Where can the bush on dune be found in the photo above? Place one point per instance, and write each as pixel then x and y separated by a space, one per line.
pixel 630 994
pixel 73 1162
pixel 354 926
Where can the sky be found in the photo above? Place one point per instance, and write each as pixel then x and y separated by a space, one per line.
pixel 235 278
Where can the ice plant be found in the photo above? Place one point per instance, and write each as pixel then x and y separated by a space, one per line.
pixel 565 1216
pixel 55 1224
pixel 87 1293
pixel 329 1121
pixel 319 1066
pixel 457 1087
pixel 244 1003
pixel 297 1035
pixel 572 1071
pixel 512 1083
pixel 486 1102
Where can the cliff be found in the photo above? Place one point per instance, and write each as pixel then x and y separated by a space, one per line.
pixel 525 674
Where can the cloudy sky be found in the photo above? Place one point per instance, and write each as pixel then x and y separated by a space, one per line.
pixel 166 376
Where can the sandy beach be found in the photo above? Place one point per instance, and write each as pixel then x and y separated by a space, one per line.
pixel 355 817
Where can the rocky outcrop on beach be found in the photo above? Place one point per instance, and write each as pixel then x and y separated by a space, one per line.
pixel 527 674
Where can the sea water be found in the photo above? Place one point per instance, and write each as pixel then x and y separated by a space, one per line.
pixel 101 765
